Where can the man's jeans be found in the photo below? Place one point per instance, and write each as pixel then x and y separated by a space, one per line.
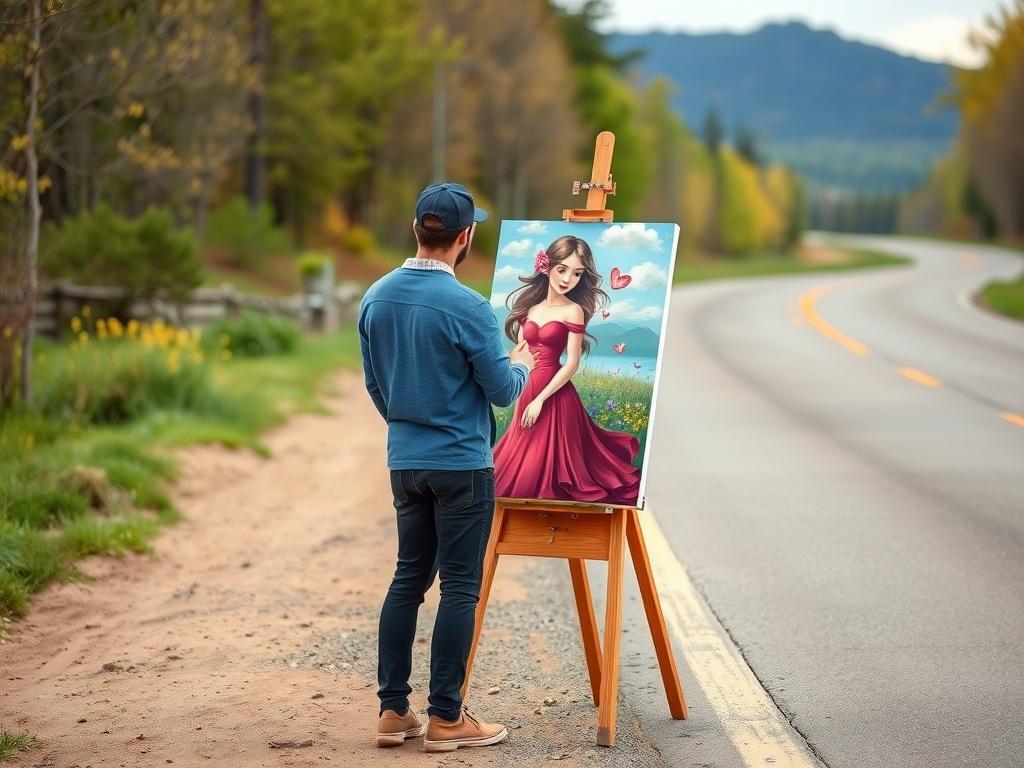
pixel 444 519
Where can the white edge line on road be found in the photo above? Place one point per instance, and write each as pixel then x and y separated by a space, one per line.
pixel 965 300
pixel 758 730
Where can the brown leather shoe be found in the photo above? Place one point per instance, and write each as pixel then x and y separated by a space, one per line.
pixel 393 729
pixel 467 731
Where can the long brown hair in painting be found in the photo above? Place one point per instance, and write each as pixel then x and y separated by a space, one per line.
pixel 587 293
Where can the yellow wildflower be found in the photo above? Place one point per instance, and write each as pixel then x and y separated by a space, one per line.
pixel 76 324
pixel 85 310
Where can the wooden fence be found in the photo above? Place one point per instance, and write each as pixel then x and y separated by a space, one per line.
pixel 60 301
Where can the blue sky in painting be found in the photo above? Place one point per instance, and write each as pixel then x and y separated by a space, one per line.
pixel 643 251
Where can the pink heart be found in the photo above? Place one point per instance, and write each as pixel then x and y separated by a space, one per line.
pixel 605 314
pixel 620 348
pixel 619 280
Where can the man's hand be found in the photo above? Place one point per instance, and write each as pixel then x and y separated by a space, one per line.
pixel 521 354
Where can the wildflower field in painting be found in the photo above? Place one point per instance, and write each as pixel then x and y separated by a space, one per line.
pixel 615 403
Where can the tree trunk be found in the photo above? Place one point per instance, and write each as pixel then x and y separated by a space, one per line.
pixel 32 247
pixel 255 163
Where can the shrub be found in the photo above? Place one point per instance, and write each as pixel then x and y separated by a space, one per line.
pixel 147 256
pixel 313 263
pixel 123 373
pixel 246 233
pixel 253 334
pixel 358 240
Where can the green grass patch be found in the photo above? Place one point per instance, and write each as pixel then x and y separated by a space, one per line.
pixel 86 470
pixel 1005 297
pixel 16 742
pixel 767 264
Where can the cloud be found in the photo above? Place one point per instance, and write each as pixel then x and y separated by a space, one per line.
pixel 936 38
pixel 533 228
pixel 632 236
pixel 628 310
pixel 647 275
pixel 518 249
pixel 498 300
pixel 508 272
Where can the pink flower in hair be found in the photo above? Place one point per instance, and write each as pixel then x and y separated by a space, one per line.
pixel 540 262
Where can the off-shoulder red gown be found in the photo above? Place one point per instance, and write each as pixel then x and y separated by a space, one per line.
pixel 564 455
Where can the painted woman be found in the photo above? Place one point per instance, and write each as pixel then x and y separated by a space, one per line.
pixel 553 449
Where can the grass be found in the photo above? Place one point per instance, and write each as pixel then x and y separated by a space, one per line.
pixel 14 742
pixel 78 482
pixel 1005 297
pixel 766 264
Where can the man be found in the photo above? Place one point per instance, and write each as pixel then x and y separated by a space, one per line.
pixel 434 362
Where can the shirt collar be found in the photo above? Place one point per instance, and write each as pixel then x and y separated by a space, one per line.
pixel 428 264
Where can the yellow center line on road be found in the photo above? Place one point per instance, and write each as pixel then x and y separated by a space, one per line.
pixel 920 377
pixel 755 726
pixel 1013 418
pixel 810 313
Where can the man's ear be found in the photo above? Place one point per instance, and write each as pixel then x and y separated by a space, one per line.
pixel 463 237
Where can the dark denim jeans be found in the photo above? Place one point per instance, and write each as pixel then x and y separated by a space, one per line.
pixel 444 519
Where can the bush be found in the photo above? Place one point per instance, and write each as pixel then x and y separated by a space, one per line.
pixel 123 373
pixel 358 240
pixel 312 264
pixel 253 334
pixel 147 255
pixel 247 234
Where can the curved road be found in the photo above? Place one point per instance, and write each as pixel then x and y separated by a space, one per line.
pixel 839 464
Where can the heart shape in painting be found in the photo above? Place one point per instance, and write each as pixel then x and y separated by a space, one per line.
pixel 620 348
pixel 620 280
pixel 605 314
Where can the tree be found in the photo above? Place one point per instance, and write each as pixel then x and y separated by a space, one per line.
pixel 255 163
pixel 991 101
pixel 746 145
pixel 713 131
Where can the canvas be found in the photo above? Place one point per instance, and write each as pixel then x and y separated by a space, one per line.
pixel 592 302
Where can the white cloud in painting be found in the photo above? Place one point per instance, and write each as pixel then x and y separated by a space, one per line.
pixel 518 249
pixel 498 300
pixel 533 228
pixel 628 310
pixel 632 236
pixel 647 275
pixel 507 272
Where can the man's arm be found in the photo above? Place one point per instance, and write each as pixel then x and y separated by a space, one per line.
pixel 371 380
pixel 501 380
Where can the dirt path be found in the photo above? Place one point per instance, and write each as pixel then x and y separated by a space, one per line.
pixel 255 620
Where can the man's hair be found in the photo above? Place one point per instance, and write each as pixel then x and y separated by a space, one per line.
pixel 432 236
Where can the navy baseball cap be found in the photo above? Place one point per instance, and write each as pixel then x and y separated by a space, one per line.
pixel 451 203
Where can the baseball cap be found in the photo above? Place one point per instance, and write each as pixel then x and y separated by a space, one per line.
pixel 450 202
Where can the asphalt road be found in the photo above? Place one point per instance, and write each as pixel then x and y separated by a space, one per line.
pixel 836 463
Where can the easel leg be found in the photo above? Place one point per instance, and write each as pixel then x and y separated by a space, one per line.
pixel 655 617
pixel 588 625
pixel 612 631
pixel 490 566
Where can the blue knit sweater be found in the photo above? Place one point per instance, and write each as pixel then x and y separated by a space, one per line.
pixel 433 362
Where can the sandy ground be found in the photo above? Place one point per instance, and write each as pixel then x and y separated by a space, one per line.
pixel 255 620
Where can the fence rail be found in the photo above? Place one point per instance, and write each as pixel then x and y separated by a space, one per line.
pixel 60 301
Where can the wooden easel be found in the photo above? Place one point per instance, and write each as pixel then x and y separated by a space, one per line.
pixel 580 532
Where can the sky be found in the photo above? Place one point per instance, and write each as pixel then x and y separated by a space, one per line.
pixel 641 252
pixel 935 30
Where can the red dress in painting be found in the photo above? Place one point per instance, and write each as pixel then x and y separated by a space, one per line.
pixel 564 455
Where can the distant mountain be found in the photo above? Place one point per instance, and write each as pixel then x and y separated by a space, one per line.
pixel 844 113
pixel 640 341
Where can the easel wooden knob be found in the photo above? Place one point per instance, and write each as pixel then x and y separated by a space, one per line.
pixel 578 532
